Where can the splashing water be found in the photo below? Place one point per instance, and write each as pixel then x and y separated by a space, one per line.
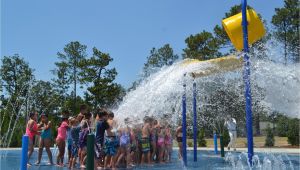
pixel 161 93
pixel 265 161
pixel 158 95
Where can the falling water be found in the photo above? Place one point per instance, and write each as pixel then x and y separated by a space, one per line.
pixel 161 93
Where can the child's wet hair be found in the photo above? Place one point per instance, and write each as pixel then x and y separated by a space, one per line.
pixel 111 114
pixel 88 115
pixel 83 107
pixel 73 121
pixel 147 119
pixel 31 114
pixel 101 112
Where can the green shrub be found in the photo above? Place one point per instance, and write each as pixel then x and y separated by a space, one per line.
pixel 201 138
pixel 190 144
pixel 293 132
pixel 270 140
pixel 282 126
pixel 226 137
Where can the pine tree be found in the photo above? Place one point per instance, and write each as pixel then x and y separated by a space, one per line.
pixel 286 24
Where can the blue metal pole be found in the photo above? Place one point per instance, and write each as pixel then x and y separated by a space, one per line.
pixel 247 83
pixel 195 120
pixel 184 154
pixel 24 157
pixel 216 143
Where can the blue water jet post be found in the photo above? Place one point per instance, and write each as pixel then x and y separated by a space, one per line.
pixel 195 120
pixel 24 157
pixel 247 82
pixel 216 142
pixel 184 154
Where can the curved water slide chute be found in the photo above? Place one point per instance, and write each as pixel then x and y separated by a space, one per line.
pixel 217 65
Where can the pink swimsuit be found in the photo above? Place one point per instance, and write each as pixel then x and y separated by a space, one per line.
pixel 62 131
pixel 160 141
pixel 33 132
pixel 168 140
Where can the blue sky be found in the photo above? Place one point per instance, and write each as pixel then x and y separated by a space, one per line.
pixel 126 29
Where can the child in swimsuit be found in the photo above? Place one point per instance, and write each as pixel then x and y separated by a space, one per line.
pixel 69 141
pixel 45 138
pixel 168 144
pixel 139 144
pixel 124 146
pixel 61 139
pixel 153 138
pixel 161 143
pixel 85 130
pixel 145 141
pixel 101 127
pixel 179 140
pixel 111 143
pixel 31 131
pixel 133 147
pixel 75 129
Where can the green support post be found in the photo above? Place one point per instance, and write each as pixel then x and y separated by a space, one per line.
pixel 222 146
pixel 90 151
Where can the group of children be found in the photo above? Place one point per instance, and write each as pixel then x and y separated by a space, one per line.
pixel 148 143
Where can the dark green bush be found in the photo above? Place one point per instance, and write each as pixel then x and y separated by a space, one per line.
pixel 282 126
pixel 270 140
pixel 201 138
pixel 190 144
pixel 293 132
pixel 226 138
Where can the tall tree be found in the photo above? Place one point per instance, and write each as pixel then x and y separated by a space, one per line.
pixel 286 24
pixel 158 58
pixel 43 97
pixel 72 55
pixel 202 46
pixel 61 83
pixel 17 77
pixel 103 91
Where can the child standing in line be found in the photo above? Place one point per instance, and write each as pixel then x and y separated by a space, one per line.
pixel 69 141
pixel 161 143
pixel 124 146
pixel 133 147
pixel 101 127
pixel 85 130
pixel 168 144
pixel 45 138
pixel 61 139
pixel 111 143
pixel 139 143
pixel 178 136
pixel 145 141
pixel 153 139
pixel 75 129
pixel 31 130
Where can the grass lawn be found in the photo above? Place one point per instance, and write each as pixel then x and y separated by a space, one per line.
pixel 259 142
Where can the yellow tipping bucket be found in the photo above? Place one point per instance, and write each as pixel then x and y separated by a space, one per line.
pixel 234 29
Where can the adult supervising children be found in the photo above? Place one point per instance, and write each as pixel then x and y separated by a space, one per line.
pixel 231 126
